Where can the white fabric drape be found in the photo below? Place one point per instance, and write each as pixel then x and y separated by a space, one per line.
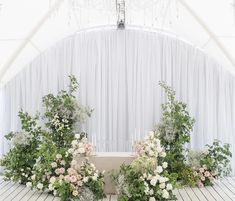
pixel 118 72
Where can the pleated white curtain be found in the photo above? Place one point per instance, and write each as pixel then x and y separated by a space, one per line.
pixel 118 72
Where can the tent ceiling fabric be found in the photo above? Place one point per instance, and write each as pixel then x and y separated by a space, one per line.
pixel 19 18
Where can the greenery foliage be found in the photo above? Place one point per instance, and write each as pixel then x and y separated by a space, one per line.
pixel 146 177
pixel 19 161
pixel 174 130
pixel 40 157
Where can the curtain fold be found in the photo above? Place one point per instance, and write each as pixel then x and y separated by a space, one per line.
pixel 118 72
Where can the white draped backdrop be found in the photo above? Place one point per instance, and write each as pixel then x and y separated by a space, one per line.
pixel 118 72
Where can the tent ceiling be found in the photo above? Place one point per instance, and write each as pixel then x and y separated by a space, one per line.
pixel 19 18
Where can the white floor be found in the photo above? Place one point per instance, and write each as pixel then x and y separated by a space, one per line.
pixel 223 190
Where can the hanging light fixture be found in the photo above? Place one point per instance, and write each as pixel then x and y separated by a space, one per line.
pixel 120 8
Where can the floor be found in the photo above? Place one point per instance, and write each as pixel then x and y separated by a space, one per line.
pixel 223 190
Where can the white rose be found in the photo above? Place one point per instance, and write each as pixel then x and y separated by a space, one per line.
pixel 51 188
pixel 159 149
pixel 165 194
pixel 152 199
pixel 94 178
pixel 52 180
pixel 164 165
pixel 53 164
pixel 151 192
pixel 163 154
pixel 162 185
pixel 62 162
pixel 33 177
pixel 169 187
pixel 77 136
pixel 159 169
pixel 151 153
pixel 55 192
pixel 40 186
pixel 81 150
pixel 58 156
pixel 74 143
pixel 75 193
pixel 162 180
pixel 153 181
pixel 70 151
pixel 29 184
pixel 85 179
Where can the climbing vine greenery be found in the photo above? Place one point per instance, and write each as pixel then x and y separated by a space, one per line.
pixel 174 130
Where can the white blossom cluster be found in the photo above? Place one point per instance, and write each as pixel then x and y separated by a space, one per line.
pixel 60 124
pixel 65 118
pixel 166 129
pixel 22 138
pixel 150 181
pixel 150 146
pixel 80 147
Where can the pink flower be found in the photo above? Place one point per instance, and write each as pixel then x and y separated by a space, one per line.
pixel 201 170
pixel 67 178
pixel 57 171
pixel 58 156
pixel 73 179
pixel 211 178
pixel 54 165
pixel 62 162
pixel 200 184
pixel 207 174
pixel 79 183
pixel 71 171
pixel 62 170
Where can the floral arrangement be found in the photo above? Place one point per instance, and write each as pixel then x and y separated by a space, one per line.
pixel 81 146
pixel 146 177
pixel 79 178
pixel 174 133
pixel 63 114
pixel 45 158
pixel 210 164
pixel 19 161
pixel 150 147
pixel 205 177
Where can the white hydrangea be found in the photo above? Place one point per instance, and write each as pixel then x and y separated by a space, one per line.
pixel 22 138
pixel 164 165
pixel 152 199
pixel 40 186
pixel 29 184
pixel 159 169
pixel 169 187
pixel 165 194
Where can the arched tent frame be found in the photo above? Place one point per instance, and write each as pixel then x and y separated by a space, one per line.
pixel 13 57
